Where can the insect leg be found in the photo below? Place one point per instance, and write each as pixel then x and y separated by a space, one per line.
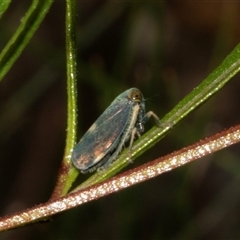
pixel 157 120
pixel 151 114
pixel 134 132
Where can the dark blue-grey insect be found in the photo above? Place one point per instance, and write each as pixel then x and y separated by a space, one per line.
pixel 104 140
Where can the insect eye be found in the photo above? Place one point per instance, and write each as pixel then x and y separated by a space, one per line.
pixel 136 95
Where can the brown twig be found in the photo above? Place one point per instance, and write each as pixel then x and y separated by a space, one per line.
pixel 124 180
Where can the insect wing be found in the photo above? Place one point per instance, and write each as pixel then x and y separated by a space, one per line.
pixel 103 136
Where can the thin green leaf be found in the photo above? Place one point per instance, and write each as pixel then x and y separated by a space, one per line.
pixel 3 6
pixel 23 34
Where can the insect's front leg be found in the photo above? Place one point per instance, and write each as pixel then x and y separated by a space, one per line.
pixel 151 114
pixel 157 120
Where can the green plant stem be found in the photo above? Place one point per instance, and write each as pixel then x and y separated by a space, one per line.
pixel 68 173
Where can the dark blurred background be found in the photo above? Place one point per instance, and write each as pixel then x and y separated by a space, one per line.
pixel 164 48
